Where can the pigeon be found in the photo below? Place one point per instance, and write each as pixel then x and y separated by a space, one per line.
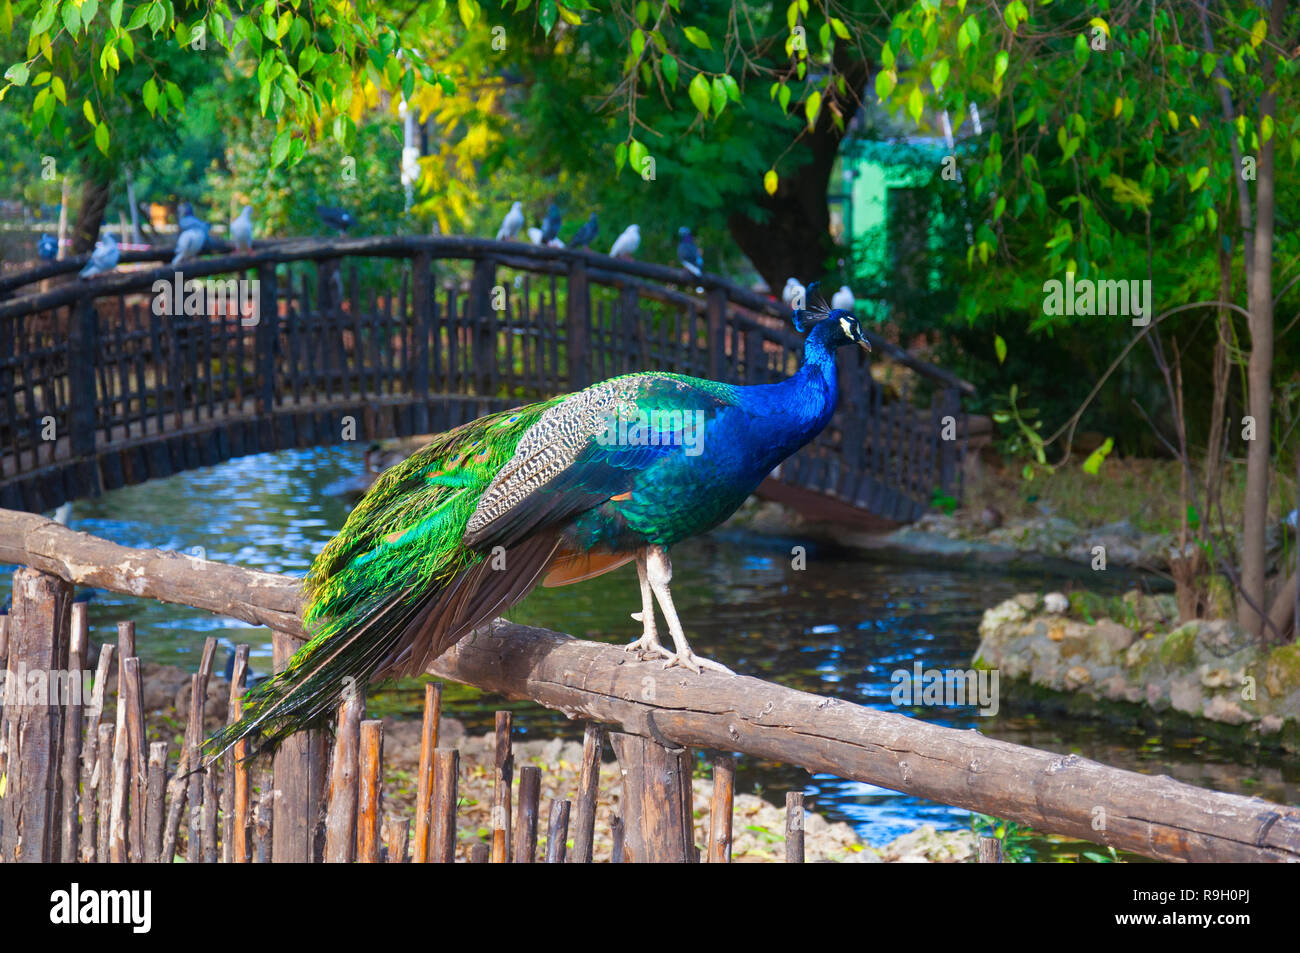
pixel 626 243
pixel 534 234
pixel 688 253
pixel 335 217
pixel 512 223
pixel 843 299
pixel 241 230
pixel 188 245
pixel 551 226
pixel 47 247
pixel 104 258
pixel 586 234
pixel 794 294
pixel 187 221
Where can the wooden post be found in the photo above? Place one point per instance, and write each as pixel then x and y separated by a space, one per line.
pixel 557 831
pixel 505 774
pixel 266 338
pixel 480 853
pixel 424 782
pixel 422 325
pixel 155 786
pixel 530 789
pixel 370 763
pixel 396 832
pixel 577 322
pixel 131 700
pixel 442 839
pixel 657 800
pixel 341 819
pixel 617 839
pixel 38 645
pixel 262 818
pixel 104 790
pixel 236 839
pixel 990 850
pixel 82 359
pixel 584 820
pixel 71 752
pixel 89 757
pixel 794 823
pixel 483 322
pixel 194 794
pixel 299 771
pixel 724 789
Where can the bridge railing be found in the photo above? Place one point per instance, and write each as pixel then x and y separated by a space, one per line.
pixel 664 712
pixel 134 375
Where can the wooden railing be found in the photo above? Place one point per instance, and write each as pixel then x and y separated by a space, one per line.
pixel 105 382
pixel 658 712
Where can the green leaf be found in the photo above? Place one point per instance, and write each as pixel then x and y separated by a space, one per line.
pixel 71 17
pixel 886 80
pixel 732 87
pixel 1266 129
pixel 783 95
pixel 17 74
pixel 1207 63
pixel 669 66
pixel 1000 348
pixel 697 37
pixel 150 95
pixel 811 107
pixel 620 156
pixel 915 104
pixel 138 16
pixel 717 96
pixel 1081 49
pixel 468 10
pixel 1197 179
pixel 280 148
pixel 88 111
pixel 1000 63
pixel 699 93
pixel 547 14
pixel 939 74
pixel 101 138
pixel 770 182
pixel 1095 459
pixel 636 153
pixel 840 29
pixel 638 42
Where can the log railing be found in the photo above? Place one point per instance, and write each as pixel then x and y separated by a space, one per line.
pixel 106 382
pixel 668 710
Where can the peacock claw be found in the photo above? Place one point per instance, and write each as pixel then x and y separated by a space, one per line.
pixel 694 662
pixel 647 645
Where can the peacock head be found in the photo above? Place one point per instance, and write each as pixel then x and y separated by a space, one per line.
pixel 831 327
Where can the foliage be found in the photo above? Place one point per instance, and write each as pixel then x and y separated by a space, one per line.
pixel 1017 842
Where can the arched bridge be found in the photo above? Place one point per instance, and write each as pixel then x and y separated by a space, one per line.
pixel 125 377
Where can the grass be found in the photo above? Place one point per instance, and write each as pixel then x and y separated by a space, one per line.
pixel 1145 492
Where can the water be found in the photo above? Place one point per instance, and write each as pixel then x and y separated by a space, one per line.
pixel 840 626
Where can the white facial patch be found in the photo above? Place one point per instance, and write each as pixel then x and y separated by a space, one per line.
pixel 848 328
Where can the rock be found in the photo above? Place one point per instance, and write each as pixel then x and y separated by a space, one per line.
pixel 1116 637
pixel 1056 602
pixel 927 845
pixel 1076 677
pixel 1185 695
pixel 1270 724
pixel 1222 708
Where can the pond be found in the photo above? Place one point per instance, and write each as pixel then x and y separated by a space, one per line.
pixel 839 626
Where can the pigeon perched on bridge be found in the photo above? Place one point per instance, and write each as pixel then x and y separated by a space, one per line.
pixel 47 247
pixel 627 243
pixel 241 230
pixel 586 234
pixel 551 225
pixel 186 221
pixel 104 258
pixel 512 223
pixel 843 299
pixel 794 295
pixel 534 234
pixel 335 217
pixel 688 253
pixel 188 245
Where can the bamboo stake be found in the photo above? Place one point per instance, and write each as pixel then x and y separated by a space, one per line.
pixel 209 819
pixel 90 758
pixel 341 817
pixel 262 820
pixel 71 752
pixel 794 821
pixel 117 829
pixel 442 819
pixel 616 835
pixel 396 832
pixel 720 814
pixel 505 773
pixel 155 784
pixel 557 831
pixel 424 784
pixel 584 820
pixel 193 738
pixel 530 789
pixel 990 850
pixel 369 791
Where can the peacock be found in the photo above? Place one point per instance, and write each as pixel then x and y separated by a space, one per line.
pixel 555 492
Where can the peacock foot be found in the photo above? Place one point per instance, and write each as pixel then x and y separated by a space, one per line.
pixel 648 644
pixel 695 663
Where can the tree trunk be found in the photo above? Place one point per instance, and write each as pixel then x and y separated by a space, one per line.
pixel 1254 561
pixel 94 199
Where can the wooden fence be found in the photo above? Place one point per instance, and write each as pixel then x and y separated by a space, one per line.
pixel 329 807
pixel 108 382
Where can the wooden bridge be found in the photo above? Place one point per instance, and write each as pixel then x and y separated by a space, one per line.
pixel 117 380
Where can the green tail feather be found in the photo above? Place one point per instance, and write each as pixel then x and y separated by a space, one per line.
pixel 374 589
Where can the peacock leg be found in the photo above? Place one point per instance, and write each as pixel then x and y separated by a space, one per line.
pixel 659 572
pixel 649 641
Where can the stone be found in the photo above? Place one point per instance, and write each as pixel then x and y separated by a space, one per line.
pixel 1076 677
pixel 1222 708
pixel 1117 637
pixel 1185 695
